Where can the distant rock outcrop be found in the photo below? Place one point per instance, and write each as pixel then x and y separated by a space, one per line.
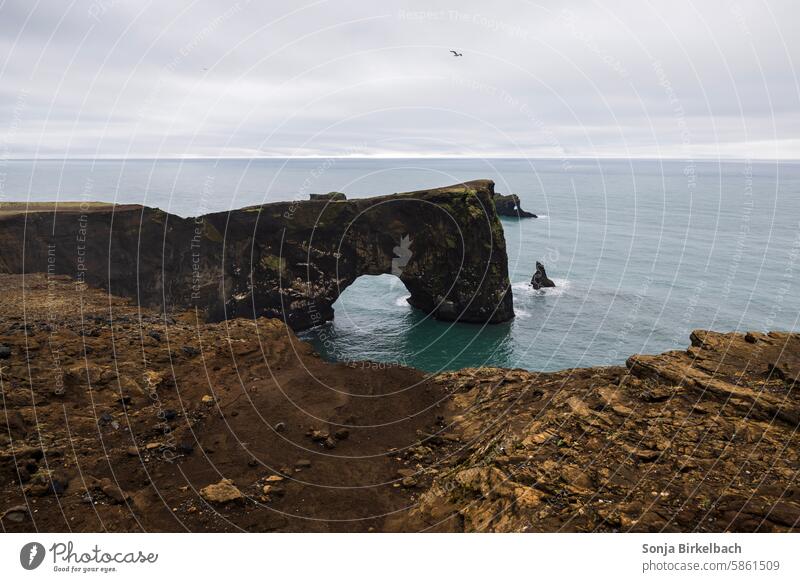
pixel 540 278
pixel 335 196
pixel 509 205
pixel 290 260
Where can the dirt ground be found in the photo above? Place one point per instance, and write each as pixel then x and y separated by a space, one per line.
pixel 117 418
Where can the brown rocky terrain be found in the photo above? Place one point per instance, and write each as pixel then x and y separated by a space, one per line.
pixel 121 418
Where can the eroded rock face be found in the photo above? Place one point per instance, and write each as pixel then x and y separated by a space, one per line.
pixel 288 259
pixel 698 440
pixel 509 205
pixel 540 278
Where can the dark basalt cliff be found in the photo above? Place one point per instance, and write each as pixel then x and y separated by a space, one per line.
pixel 288 259
pixel 509 205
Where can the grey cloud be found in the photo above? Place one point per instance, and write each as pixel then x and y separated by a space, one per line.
pixel 122 78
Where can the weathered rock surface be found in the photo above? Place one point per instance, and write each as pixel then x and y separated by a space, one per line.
pixel 540 278
pixel 223 492
pixel 699 440
pixel 509 205
pixel 107 428
pixel 289 260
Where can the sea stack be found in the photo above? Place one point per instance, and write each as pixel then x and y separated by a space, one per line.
pixel 540 278
pixel 509 205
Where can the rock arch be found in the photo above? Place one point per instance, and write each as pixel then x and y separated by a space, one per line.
pixel 286 259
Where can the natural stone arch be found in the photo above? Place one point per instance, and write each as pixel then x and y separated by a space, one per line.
pixel 287 259
pixel 386 292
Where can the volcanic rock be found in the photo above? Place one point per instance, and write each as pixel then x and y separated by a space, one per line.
pixel 319 435
pixel 113 491
pixel 409 482
pixel 223 492
pixel 509 205
pixel 333 196
pixel 16 514
pixel 660 470
pixel 289 260
pixel 540 279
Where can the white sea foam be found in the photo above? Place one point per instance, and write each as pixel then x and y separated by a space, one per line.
pixel 401 301
pixel 523 288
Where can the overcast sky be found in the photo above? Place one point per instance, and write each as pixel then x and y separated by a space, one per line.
pixel 630 78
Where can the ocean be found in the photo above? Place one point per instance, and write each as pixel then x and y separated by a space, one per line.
pixel 641 251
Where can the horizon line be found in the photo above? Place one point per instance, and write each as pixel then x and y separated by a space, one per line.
pixel 398 157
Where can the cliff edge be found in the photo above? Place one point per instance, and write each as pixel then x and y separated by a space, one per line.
pixel 118 418
pixel 289 260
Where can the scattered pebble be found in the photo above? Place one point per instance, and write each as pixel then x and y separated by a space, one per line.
pixel 15 514
pixel 319 435
pixel 223 492
pixel 409 482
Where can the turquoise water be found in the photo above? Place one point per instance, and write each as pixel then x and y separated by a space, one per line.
pixel 642 251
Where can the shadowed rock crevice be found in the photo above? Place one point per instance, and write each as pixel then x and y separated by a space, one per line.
pixel 288 259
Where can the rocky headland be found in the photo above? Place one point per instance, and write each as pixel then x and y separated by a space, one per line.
pixel 118 417
pixel 289 260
